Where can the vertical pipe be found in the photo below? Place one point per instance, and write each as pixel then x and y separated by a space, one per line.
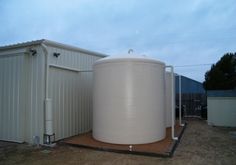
pixel 172 104
pixel 180 101
pixel 48 114
pixel 46 70
pixel 48 117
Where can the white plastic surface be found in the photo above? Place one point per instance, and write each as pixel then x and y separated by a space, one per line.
pixel 128 57
pixel 48 117
pixel 168 99
pixel 128 105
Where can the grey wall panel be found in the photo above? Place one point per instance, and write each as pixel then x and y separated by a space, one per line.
pixel 72 59
pixel 71 101
pixel 221 111
pixel 71 92
pixel 11 114
pixel 21 96
pixel 35 69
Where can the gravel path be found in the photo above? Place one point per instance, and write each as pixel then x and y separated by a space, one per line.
pixel 201 144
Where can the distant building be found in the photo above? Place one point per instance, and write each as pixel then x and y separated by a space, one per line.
pixel 193 96
pixel 222 107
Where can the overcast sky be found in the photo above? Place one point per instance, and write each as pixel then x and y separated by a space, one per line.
pixel 183 32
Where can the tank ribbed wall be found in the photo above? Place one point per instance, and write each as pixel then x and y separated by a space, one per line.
pixel 168 94
pixel 129 106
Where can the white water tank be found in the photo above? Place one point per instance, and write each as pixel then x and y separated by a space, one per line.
pixel 168 98
pixel 129 100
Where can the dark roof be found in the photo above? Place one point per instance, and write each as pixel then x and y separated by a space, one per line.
pixel 188 85
pixel 221 93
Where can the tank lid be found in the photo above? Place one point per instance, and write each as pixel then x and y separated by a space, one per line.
pixel 128 57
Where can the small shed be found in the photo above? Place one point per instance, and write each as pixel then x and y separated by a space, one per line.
pixel 39 76
pixel 221 106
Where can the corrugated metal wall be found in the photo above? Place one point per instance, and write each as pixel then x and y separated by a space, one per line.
pixel 71 91
pixel 11 71
pixel 22 92
pixel 21 95
pixel 34 116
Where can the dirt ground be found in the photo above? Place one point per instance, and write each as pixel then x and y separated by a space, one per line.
pixel 200 144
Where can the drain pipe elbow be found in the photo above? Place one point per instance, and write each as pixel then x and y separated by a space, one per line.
pixel 46 69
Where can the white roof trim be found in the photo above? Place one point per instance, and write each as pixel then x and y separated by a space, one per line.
pixel 50 43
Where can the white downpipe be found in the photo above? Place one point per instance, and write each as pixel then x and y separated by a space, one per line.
pixel 46 70
pixel 172 104
pixel 47 101
pixel 48 117
pixel 180 102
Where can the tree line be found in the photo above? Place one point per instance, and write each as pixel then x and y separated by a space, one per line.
pixel 222 75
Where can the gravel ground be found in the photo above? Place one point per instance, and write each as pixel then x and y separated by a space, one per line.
pixel 200 144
